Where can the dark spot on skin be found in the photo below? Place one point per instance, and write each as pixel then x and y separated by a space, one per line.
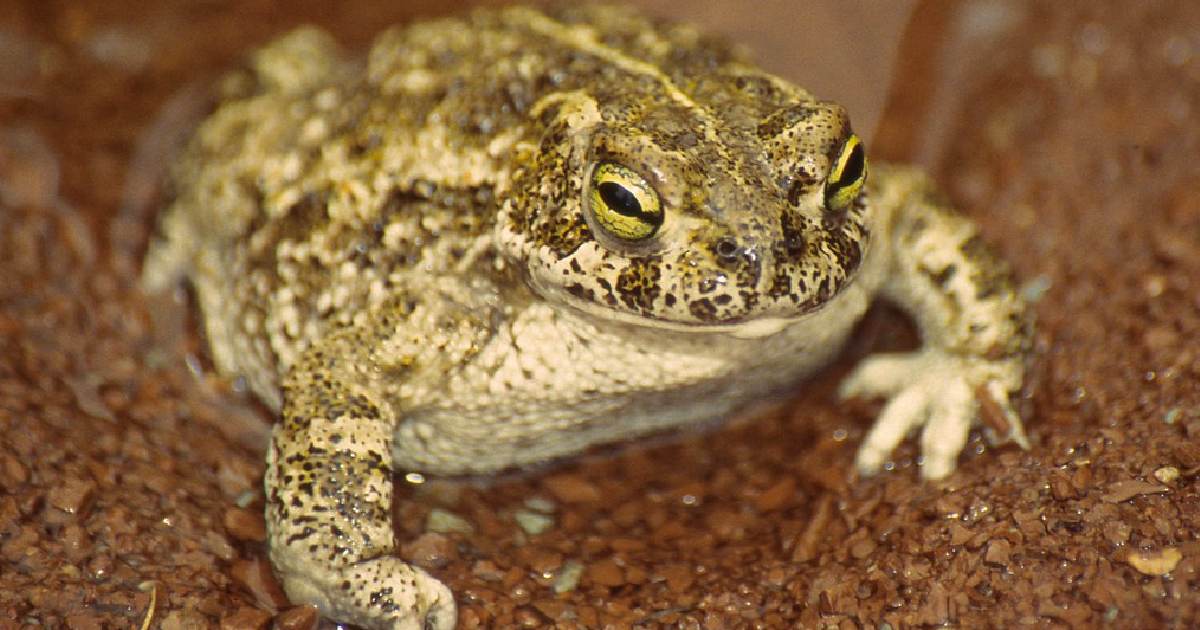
pixel 703 310
pixel 637 284
pixel 794 190
pixel 757 87
pixel 989 274
pixel 943 277
pixel 781 284
pixel 749 269
pixel 792 244
pixel 379 596
pixel 361 145
pixel 579 291
pixel 303 534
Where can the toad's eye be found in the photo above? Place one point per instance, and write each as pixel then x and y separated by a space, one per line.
pixel 623 203
pixel 847 175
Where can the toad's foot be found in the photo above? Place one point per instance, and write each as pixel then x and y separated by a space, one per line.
pixel 975 328
pixel 386 593
pixel 329 487
pixel 940 392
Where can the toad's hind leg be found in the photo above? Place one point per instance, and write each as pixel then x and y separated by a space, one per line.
pixel 329 498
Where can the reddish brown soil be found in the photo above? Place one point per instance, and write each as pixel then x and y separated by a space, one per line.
pixel 128 479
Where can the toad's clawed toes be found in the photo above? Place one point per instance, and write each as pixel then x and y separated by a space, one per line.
pixel 936 391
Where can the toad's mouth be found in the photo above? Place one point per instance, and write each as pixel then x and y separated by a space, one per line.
pixel 758 318
pixel 750 326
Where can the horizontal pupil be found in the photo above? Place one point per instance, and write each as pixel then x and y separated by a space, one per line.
pixel 620 200
pixel 853 168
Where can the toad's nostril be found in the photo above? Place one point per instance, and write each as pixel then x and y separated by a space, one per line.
pixel 727 249
pixel 794 244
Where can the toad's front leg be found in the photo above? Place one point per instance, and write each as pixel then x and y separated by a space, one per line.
pixel 974 330
pixel 329 498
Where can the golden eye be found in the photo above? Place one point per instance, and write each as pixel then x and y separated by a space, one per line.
pixel 623 203
pixel 847 175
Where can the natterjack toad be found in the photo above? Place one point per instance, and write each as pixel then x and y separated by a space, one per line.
pixel 502 238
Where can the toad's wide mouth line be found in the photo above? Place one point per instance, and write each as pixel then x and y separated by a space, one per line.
pixel 744 326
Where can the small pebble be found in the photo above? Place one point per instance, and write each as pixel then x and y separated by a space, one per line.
pixel 539 504
pixel 568 576
pixel 533 523
pixel 1166 474
pixel 572 489
pixel 606 573
pixel 430 551
pixel 255 577
pixel 298 618
pixel 246 618
pixel 444 522
pixel 245 525
pixel 1159 562
pixel 487 570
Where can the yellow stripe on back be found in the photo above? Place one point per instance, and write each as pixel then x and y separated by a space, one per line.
pixel 583 38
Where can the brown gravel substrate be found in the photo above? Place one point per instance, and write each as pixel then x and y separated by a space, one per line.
pixel 129 475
